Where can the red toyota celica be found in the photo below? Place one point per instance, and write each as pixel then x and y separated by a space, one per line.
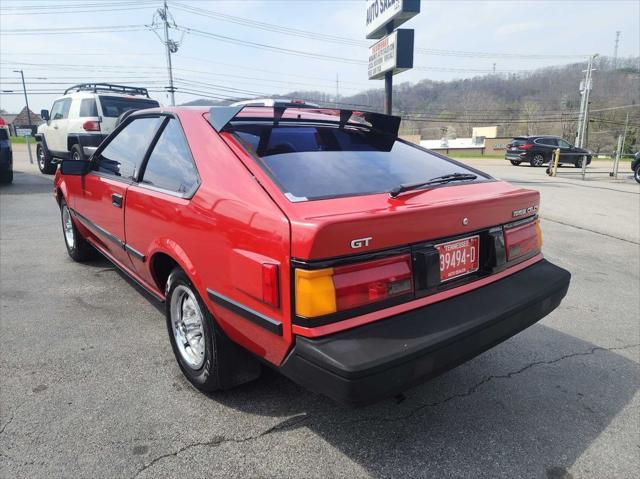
pixel 314 241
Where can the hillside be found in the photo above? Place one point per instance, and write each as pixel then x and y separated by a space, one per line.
pixel 544 101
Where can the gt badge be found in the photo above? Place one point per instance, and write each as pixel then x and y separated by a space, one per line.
pixel 360 242
pixel 524 211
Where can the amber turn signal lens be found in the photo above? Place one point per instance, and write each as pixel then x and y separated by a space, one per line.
pixel 315 292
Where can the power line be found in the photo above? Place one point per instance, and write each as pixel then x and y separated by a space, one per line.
pixel 247 22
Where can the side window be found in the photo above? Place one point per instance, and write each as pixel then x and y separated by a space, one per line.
pixel 88 107
pixel 57 109
pixel 563 144
pixel 66 105
pixel 124 153
pixel 170 165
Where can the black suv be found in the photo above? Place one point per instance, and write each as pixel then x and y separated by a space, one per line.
pixel 538 150
pixel 6 157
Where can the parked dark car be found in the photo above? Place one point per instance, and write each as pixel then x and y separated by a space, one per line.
pixel 6 157
pixel 538 150
pixel 635 166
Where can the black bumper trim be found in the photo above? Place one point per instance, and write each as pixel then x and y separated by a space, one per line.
pixel 383 358
pixel 255 317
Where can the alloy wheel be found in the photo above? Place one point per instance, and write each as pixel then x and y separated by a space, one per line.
pixel 187 325
pixel 67 225
pixel 538 160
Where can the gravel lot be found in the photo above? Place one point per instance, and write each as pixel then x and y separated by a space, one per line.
pixel 89 386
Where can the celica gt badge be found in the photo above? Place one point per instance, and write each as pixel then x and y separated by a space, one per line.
pixel 360 242
pixel 524 211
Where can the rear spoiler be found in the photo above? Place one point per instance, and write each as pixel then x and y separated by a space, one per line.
pixel 221 116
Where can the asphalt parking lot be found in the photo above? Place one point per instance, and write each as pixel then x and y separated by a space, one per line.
pixel 89 386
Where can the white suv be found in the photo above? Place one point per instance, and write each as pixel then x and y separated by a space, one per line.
pixel 82 118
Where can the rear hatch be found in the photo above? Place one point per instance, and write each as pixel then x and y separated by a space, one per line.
pixel 367 232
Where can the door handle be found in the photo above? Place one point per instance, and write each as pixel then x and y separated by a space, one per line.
pixel 116 200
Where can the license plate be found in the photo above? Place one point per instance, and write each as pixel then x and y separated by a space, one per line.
pixel 458 257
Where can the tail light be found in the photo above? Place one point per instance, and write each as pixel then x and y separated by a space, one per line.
pixel 523 240
pixel 330 290
pixel 526 146
pixel 91 125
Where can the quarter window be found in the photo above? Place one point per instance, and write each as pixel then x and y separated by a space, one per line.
pixel 123 155
pixel 88 107
pixel 170 165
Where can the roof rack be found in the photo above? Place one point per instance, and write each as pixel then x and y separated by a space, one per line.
pixel 221 116
pixel 108 87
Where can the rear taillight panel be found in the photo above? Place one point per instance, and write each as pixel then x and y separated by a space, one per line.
pixel 333 290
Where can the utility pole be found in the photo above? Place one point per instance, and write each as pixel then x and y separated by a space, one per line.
pixel 583 116
pixel 388 82
pixel 615 50
pixel 494 68
pixel 337 90
pixel 26 101
pixel 171 47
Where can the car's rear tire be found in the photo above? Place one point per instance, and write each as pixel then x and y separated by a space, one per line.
pixel 78 248
pixel 636 173
pixel 515 162
pixel 45 160
pixel 76 153
pixel 578 162
pixel 537 160
pixel 207 358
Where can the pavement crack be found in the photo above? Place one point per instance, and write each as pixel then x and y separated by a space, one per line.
pixel 472 390
pixel 6 424
pixel 219 440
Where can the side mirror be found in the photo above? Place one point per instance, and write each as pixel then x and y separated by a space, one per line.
pixel 44 114
pixel 75 167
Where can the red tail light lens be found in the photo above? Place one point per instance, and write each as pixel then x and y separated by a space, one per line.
pixel 91 125
pixel 526 146
pixel 523 240
pixel 364 283
pixel 325 291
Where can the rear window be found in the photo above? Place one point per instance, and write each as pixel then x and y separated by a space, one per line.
pixel 114 106
pixel 317 162
pixel 519 141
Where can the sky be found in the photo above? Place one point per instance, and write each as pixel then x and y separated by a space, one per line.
pixel 453 39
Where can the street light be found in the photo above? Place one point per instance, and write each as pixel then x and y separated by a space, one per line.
pixel 26 101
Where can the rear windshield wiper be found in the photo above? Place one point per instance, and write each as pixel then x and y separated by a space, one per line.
pixel 433 181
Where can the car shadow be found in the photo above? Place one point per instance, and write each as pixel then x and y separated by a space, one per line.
pixel 529 408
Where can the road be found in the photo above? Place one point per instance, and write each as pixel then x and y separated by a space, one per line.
pixel 89 386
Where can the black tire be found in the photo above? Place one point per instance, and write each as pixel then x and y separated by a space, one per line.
pixel 578 162
pixel 515 162
pixel 45 160
pixel 76 153
pixel 6 177
pixel 78 248
pixel 537 160
pixel 636 173
pixel 223 364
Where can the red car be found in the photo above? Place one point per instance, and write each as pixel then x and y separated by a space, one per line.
pixel 313 241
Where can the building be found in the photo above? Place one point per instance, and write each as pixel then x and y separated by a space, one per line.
pixel 484 140
pixel 22 120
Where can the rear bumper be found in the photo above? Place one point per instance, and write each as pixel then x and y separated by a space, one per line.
pixel 515 156
pixel 381 359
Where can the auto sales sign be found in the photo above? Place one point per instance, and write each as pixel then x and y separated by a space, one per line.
pixel 393 53
pixel 393 12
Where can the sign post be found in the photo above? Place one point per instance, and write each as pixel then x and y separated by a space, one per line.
pixel 393 53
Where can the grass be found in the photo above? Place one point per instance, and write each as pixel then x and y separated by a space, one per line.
pixel 20 140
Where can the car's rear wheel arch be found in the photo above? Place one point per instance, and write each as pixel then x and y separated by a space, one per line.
pixel 161 265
